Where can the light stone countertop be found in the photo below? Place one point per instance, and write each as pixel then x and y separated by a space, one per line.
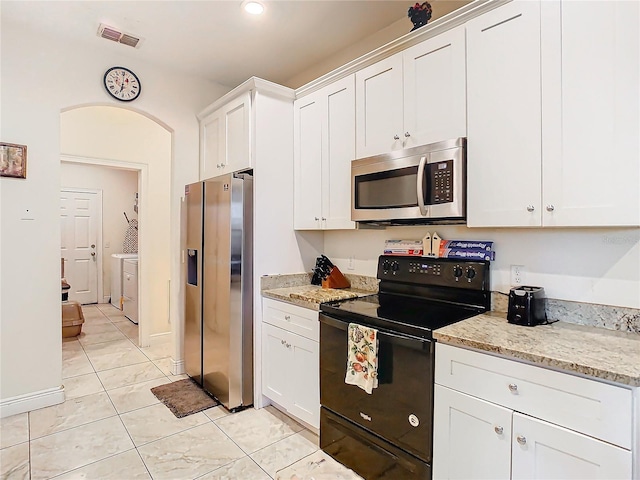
pixel 596 352
pixel 296 289
pixel 311 296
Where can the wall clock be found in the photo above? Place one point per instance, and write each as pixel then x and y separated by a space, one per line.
pixel 122 84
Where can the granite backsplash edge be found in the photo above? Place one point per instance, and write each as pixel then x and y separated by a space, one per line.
pixel 622 319
pixel 594 315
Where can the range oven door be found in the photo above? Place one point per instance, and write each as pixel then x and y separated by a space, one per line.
pixel 400 409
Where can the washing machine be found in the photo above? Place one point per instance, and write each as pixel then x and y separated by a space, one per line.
pixel 130 289
pixel 117 260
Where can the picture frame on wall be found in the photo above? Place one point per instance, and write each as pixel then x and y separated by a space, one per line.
pixel 13 160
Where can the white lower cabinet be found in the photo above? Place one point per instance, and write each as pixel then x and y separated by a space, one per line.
pixel 472 437
pixel 290 366
pixel 543 450
pixel 476 438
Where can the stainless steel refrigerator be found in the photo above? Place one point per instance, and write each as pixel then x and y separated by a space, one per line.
pixel 219 288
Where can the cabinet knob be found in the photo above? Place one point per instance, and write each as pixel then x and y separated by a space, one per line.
pixel 513 388
pixel 288 345
pixel 396 137
pixel 498 429
pixel 550 208
pixel 407 134
pixel 317 218
pixel 282 342
pixel 324 219
pixel 530 208
pixel 287 317
pixel 522 440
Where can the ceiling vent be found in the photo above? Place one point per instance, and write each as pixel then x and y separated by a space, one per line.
pixel 114 35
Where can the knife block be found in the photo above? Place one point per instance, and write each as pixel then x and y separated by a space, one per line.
pixel 335 280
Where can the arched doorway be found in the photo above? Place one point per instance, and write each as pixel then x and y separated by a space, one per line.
pixel 121 138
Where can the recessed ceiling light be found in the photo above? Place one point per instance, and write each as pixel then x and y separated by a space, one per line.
pixel 253 7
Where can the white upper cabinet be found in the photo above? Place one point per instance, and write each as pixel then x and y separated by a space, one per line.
pixel 225 138
pixel 324 146
pixel 553 114
pixel 237 134
pixel 211 145
pixel 504 116
pixel 591 111
pixel 379 107
pixel 435 90
pixel 307 154
pixel 414 97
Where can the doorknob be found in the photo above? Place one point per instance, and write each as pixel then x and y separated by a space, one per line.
pixel 93 245
pixel 93 254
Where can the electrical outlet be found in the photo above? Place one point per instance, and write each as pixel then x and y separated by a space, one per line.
pixel 352 263
pixel 517 275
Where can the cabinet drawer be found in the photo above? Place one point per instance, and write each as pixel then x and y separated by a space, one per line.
pixel 291 317
pixel 597 409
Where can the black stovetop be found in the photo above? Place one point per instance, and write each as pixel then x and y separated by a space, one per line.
pixel 419 295
pixel 417 317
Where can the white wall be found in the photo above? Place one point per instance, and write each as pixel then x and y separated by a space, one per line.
pixel 592 265
pixel 118 187
pixel 394 31
pixel 41 77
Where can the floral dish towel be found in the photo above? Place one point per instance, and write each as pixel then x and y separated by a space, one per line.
pixel 362 358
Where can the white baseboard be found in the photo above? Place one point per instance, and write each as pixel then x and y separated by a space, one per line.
pixel 159 338
pixel 177 367
pixel 31 401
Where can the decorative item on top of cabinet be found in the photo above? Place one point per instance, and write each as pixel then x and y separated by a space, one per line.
pixel 414 97
pixel 324 146
pixel 553 123
pixel 420 14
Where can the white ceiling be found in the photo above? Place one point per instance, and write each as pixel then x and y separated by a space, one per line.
pixel 217 40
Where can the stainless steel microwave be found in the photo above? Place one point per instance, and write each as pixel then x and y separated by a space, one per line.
pixel 419 185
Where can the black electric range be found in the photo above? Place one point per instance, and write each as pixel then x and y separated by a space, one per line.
pixel 388 434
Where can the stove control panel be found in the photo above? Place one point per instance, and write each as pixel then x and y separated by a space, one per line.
pixel 427 271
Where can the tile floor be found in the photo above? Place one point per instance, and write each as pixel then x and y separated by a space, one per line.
pixel 112 427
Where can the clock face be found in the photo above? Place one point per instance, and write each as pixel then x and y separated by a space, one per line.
pixel 122 84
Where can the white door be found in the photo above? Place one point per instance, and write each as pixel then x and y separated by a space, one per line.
pixel 545 451
pixel 211 145
pixel 79 236
pixel 379 127
pixel 236 128
pixel 305 379
pixel 276 364
pixel 339 149
pixel 435 89
pixel 471 437
pixel 504 167
pixel 591 125
pixel 308 161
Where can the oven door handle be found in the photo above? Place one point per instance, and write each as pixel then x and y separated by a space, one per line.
pixel 420 183
pixel 408 341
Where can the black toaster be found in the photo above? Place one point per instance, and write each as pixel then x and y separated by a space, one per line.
pixel 527 306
